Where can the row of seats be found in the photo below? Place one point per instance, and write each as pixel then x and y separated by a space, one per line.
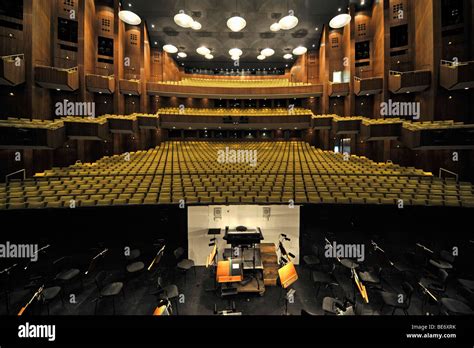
pixel 262 83
pixel 284 171
pixel 27 123
pixel 234 111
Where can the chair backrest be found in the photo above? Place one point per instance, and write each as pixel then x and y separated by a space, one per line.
pixel 99 279
pixel 178 253
pixel 446 255
pixel 408 289
pixel 159 283
pixel 443 276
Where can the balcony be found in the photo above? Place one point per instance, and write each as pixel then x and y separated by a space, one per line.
pixel 80 128
pixel 31 134
pixel 123 124
pixel 381 129
pixel 183 91
pixel 12 70
pixel 346 125
pixel 368 86
pixel 57 78
pixel 438 135
pixel 130 87
pixel 456 75
pixel 100 84
pixel 148 121
pixel 409 81
pixel 338 89
pixel 321 122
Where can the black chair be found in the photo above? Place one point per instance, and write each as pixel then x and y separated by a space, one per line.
pixel 396 302
pixel 49 294
pixel 372 277
pixel 324 278
pixel 436 283
pixel 333 306
pixel 66 273
pixel 168 292
pixel 110 290
pixel 453 306
pixel 183 265
pixel 444 261
pixel 312 260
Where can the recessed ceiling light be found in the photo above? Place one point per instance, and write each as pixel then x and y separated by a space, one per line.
pixel 209 56
pixel 288 22
pixel 288 56
pixel 183 20
pixel 182 55
pixel 300 50
pixel 203 50
pixel 170 49
pixel 236 23
pixel 275 27
pixel 130 17
pixel 153 26
pixel 196 25
pixel 261 57
pixel 340 21
pixel 267 52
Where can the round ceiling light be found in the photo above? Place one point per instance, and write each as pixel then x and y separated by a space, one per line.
pixel 235 52
pixel 196 25
pixel 288 56
pixel 340 21
pixel 170 49
pixel 261 57
pixel 203 50
pixel 300 50
pixel 275 27
pixel 288 22
pixel 182 55
pixel 236 23
pixel 130 17
pixel 209 56
pixel 183 20
pixel 235 57
pixel 267 52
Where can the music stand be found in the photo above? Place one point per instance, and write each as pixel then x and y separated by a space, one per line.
pixel 360 286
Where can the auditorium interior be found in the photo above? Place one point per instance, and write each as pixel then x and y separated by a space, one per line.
pixel 224 157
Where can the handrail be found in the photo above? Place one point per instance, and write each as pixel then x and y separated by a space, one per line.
pixel 18 171
pixel 367 78
pixel 13 56
pixel 454 63
pixel 394 72
pixel 442 170
pixel 58 69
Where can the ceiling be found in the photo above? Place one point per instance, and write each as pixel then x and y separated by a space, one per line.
pixel 213 15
